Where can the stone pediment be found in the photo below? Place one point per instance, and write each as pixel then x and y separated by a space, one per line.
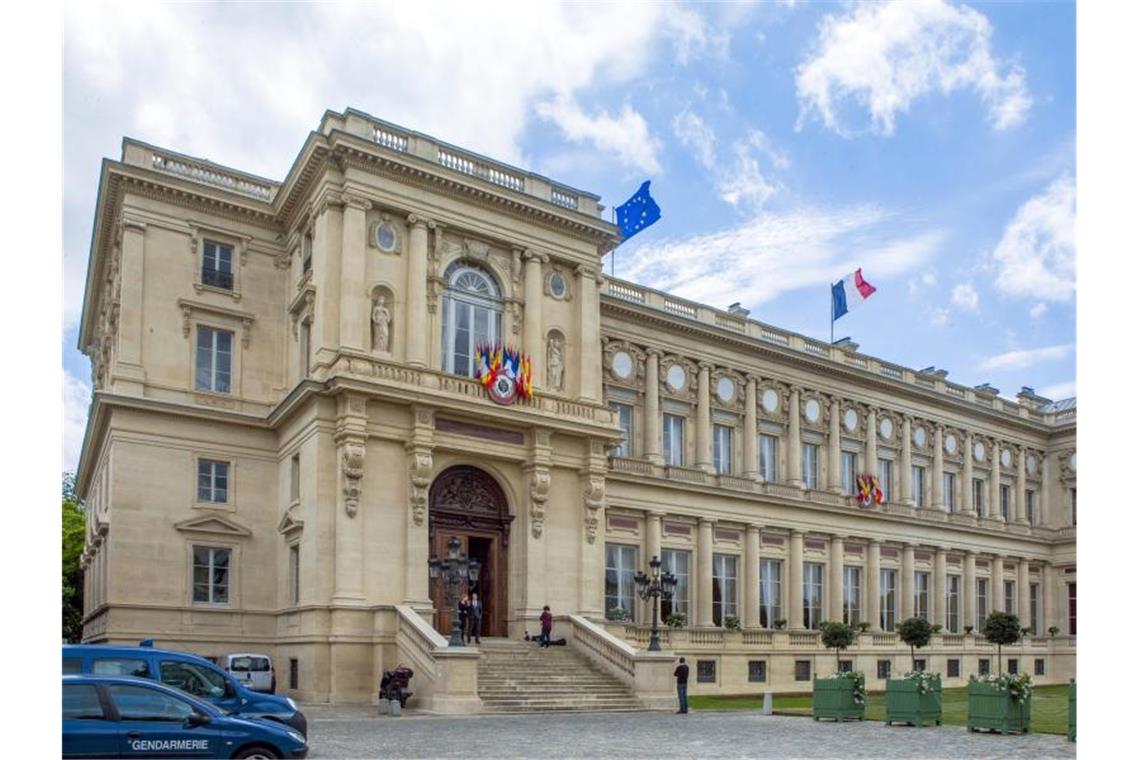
pixel 290 523
pixel 218 525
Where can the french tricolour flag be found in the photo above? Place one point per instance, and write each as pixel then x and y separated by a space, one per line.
pixel 848 293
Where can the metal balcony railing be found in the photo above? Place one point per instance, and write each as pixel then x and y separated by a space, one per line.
pixel 217 279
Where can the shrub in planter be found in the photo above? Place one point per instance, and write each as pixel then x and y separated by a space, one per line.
pixel 1002 628
pixel 916 698
pixel 968 629
pixel 916 633
pixel 676 620
pixel 864 626
pixel 618 614
pixel 1054 630
pixel 999 703
pixel 731 622
pixel 843 695
pixel 780 624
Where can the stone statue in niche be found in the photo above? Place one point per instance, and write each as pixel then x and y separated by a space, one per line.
pixel 381 325
pixel 555 367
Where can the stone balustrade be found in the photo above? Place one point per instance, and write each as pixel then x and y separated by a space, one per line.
pixel 207 173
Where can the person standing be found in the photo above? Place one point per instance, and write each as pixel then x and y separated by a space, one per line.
pixel 464 615
pixel 547 621
pixel 682 674
pixel 474 617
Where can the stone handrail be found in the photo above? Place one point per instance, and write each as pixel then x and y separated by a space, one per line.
pixel 446 680
pixel 208 174
pixel 803 638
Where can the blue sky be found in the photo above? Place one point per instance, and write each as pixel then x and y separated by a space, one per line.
pixel 930 143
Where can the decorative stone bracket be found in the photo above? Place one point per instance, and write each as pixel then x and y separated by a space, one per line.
pixel 539 493
pixel 352 467
pixel 419 467
pixel 595 499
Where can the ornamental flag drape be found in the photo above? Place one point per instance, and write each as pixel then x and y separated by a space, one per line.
pixel 868 491
pixel 505 372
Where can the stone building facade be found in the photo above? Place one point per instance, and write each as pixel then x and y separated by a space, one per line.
pixel 284 429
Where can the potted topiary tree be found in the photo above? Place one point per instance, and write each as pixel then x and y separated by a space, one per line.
pixel 1054 630
pixel 843 695
pixel 676 620
pixel 863 626
pixel 1000 702
pixel 916 698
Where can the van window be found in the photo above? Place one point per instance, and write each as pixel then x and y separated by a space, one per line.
pixel 72 665
pixel 249 664
pixel 81 702
pixel 192 678
pixel 121 666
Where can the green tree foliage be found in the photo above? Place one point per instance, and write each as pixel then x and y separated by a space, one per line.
pixel 916 632
pixel 837 636
pixel 74 524
pixel 1002 628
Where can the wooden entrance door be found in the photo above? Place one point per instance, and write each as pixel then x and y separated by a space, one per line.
pixel 467 503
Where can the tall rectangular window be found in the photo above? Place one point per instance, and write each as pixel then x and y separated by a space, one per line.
pixel 1004 492
pixel 295 574
pixel 769 453
pixel 211 575
pixel 676 561
pixel 885 479
pixel 1031 506
pixel 888 599
pixel 214 355
pixel 1010 598
pixel 621 567
pixel 953 593
pixel 849 471
pixel 1073 609
pixel 217 265
pixel 982 605
pixel 213 481
pixel 770 610
pixel 979 497
pixel 673 439
pixel 624 414
pixel 918 485
pixel 813 595
pixel 722 448
pixel 922 595
pixel 852 595
pixel 1033 609
pixel 295 478
pixel 948 490
pixel 811 465
pixel 724 587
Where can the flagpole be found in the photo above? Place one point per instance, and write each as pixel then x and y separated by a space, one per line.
pixel 613 253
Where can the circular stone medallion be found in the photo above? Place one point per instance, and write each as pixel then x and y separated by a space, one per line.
pixel 920 436
pixel 951 443
pixel 979 452
pixel 770 400
pixel 1031 464
pixel 886 428
pixel 675 377
pixel 623 365
pixel 557 285
pixel 725 389
pixel 811 410
pixel 850 420
pixel 386 237
pixel 1006 458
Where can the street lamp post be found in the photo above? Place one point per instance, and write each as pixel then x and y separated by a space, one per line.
pixel 453 570
pixel 656 585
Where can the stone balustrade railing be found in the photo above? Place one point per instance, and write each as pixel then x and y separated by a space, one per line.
pixel 603 647
pixel 207 173
pixel 697 312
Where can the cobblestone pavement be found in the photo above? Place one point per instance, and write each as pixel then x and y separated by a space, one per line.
pixel 358 733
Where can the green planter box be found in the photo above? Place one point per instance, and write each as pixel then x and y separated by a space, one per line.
pixel 1072 709
pixel 835 698
pixel 906 705
pixel 992 708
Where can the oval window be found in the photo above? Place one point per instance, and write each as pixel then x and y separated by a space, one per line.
pixel 811 410
pixel 725 389
pixel 675 377
pixel 850 420
pixel 623 365
pixel 770 401
pixel 385 237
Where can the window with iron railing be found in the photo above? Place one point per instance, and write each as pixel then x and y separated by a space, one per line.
pixel 217 265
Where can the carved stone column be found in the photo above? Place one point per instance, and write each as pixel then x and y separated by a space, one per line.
pixel 874 603
pixel 590 336
pixel 872 457
pixel 354 306
pixel 532 322
pixel 939 497
pixel 350 438
pixel 835 581
pixel 417 539
pixel 752 576
pixel 967 502
pixel 795 592
pixel 652 424
pixel 415 321
pixel 995 481
pixel 970 590
pixel 904 465
pixel 1023 591
pixel 704 420
pixel 939 606
pixel 906 582
pixel 327 238
pixel 1019 496
pixel 834 474
pixel 128 371
pixel 997 581
pixel 704 573
pixel 795 450
pixel 751 455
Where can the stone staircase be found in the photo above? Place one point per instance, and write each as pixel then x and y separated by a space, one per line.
pixel 520 676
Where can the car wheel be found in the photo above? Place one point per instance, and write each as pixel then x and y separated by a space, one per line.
pixel 257 752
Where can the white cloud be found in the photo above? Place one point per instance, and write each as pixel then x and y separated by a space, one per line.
pixel 1060 390
pixel 744 184
pixel 1037 310
pixel 1037 255
pixel 740 182
pixel 884 56
pixel 964 296
pixel 916 285
pixel 939 317
pixel 626 135
pixel 1017 360
pixel 691 36
pixel 696 135
pixel 774 253
pixel 76 399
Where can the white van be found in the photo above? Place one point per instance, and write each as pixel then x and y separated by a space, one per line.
pixel 254 671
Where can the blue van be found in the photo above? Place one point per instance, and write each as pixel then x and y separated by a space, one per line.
pixel 190 673
pixel 122 716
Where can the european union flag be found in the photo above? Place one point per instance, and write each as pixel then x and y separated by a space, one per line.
pixel 638 212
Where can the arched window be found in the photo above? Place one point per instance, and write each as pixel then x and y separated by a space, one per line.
pixel 472 314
